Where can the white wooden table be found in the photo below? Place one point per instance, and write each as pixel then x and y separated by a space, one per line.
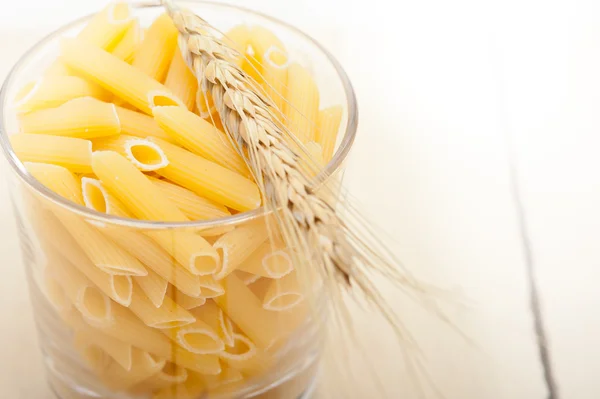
pixel 449 93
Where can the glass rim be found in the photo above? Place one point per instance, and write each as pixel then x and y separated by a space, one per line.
pixel 19 168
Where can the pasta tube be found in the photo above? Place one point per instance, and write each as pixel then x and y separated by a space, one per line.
pixel 157 48
pixel 302 106
pixel 197 337
pixel 113 74
pixel 213 316
pixel 283 294
pixel 170 374
pixel 146 201
pixel 328 124
pixel 185 301
pixel 181 80
pixel 54 91
pixel 199 137
pixel 143 366
pixel 126 48
pixel 71 153
pixel 168 315
pixel 208 179
pixel 97 197
pixel 235 247
pixel 154 287
pixel 83 118
pixel 140 125
pixel 143 154
pixel 269 260
pixel 106 27
pixel 119 351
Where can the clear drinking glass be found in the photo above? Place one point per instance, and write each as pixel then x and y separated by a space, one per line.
pixel 73 301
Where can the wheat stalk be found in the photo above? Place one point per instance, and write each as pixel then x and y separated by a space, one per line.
pixel 307 221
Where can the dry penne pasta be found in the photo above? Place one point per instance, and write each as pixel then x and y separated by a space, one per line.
pixel 118 288
pixel 156 50
pixel 168 315
pixel 246 311
pixel 97 197
pixel 208 179
pixel 181 81
pixel 235 247
pixel 244 356
pixel 328 124
pixel 93 305
pixel 143 366
pixel 108 26
pixel 192 388
pixel 95 358
pixel 126 47
pixel 83 118
pixel 154 287
pixel 72 153
pixel 191 204
pixel 143 154
pixel 218 321
pixel 270 260
pixel 155 258
pixel 170 374
pixel 197 337
pixel 119 351
pixel 146 201
pixel 130 329
pixel 185 301
pixel 55 294
pixel 58 69
pixel 100 250
pixel 199 136
pixel 115 75
pixel 53 91
pixel 247 278
pixel 302 103
pixel 283 293
pixel 140 125
pixel 238 37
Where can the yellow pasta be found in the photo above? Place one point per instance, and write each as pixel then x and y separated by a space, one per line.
pixel 101 251
pixel 119 351
pixel 154 287
pixel 227 377
pixel 157 259
pixel 143 366
pixel 96 359
pixel 146 201
pixel 210 288
pixel 238 37
pixel 53 91
pixel 93 305
pixel 108 26
pixel 247 278
pixel 328 124
pixel 191 204
pixel 200 137
pixel 58 69
pixel 55 294
pixel 130 329
pixel 140 125
pixel 115 75
pixel 170 374
pixel 143 154
pixel 208 179
pixel 97 197
pixel 235 247
pixel 315 153
pixel 181 81
pixel 127 46
pixel 118 288
pixel 168 315
pixel 269 260
pixel 157 48
pixel 244 356
pixel 246 311
pixel 283 294
pixel 302 106
pixel 271 60
pixel 185 301
pixel 197 337
pixel 194 387
pixel 71 153
pixel 213 316
pixel 83 118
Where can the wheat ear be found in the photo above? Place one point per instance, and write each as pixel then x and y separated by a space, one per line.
pixel 307 221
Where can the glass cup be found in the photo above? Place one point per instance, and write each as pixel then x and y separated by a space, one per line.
pixel 105 334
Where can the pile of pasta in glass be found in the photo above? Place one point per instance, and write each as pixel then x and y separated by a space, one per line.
pixel 117 124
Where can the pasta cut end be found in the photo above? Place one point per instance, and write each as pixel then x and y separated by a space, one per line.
pixel 204 264
pixel 283 301
pixel 122 289
pixel 227 328
pixel 94 195
pixel 224 256
pixel 161 99
pixel 200 341
pixel 276 57
pixel 277 264
pixel 145 155
pixel 95 306
pixel 176 323
pixel 173 373
pixel 242 349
